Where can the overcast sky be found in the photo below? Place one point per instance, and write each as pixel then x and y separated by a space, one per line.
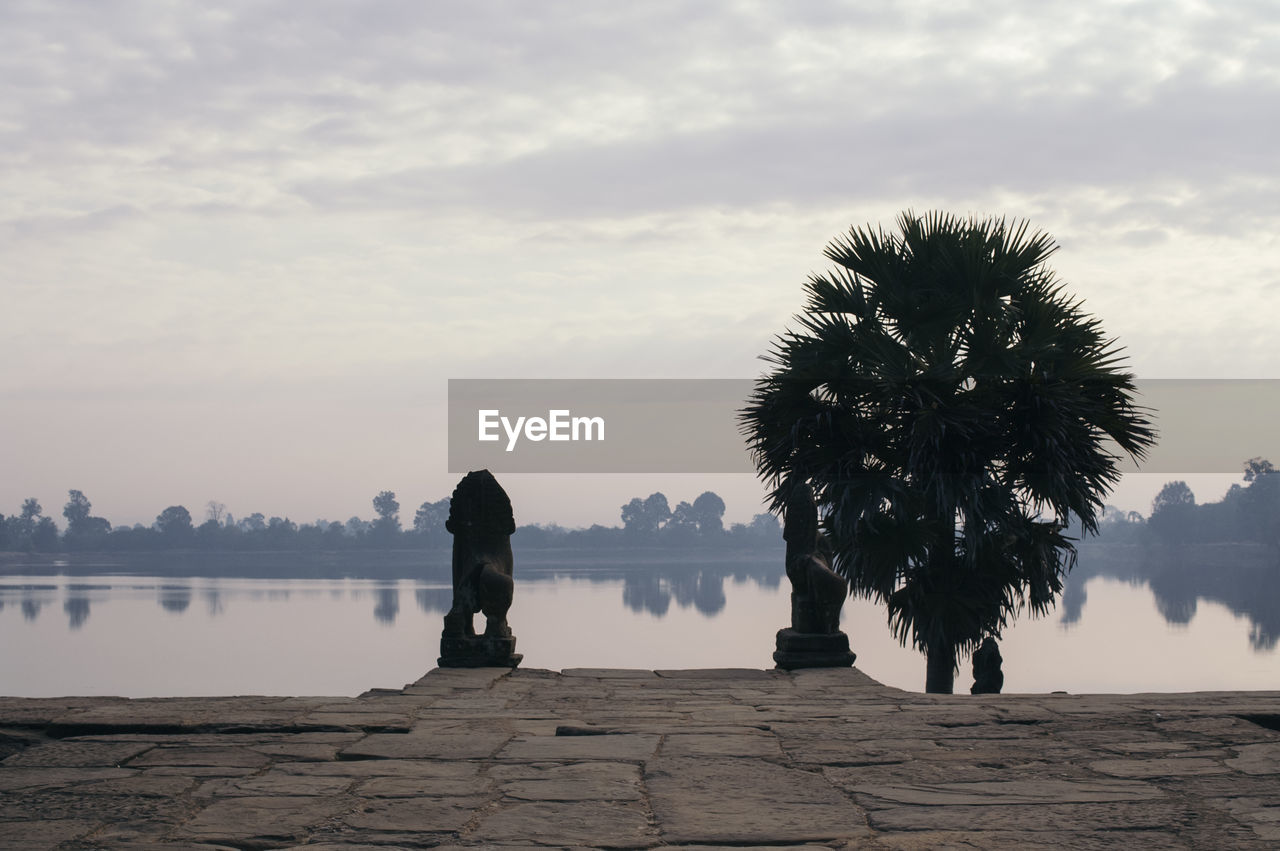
pixel 244 245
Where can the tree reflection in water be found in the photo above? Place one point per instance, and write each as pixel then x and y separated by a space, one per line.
pixel 77 609
pixel 388 604
pixel 175 598
pixel 1242 577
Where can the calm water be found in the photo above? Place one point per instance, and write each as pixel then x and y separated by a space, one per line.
pixel 149 636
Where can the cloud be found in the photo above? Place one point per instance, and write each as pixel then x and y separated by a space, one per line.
pixel 266 194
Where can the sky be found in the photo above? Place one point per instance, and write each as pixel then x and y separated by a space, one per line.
pixel 243 246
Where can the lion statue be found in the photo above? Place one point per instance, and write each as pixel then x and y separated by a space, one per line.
pixel 481 523
pixel 817 591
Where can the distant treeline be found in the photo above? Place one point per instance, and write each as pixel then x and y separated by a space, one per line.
pixel 1245 514
pixel 1248 513
pixel 650 521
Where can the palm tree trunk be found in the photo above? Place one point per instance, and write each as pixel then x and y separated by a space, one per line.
pixel 940 664
pixel 940 671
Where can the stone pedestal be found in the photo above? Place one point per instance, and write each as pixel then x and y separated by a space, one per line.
pixel 812 650
pixel 478 651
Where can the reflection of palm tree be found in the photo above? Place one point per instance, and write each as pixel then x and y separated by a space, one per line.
pixel 949 406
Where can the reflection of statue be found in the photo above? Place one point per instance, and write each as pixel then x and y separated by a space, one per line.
pixel 987 676
pixel 814 639
pixel 481 522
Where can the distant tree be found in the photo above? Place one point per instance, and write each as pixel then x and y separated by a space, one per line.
pixel 334 535
pixel 1173 495
pixel 174 523
pixel 1173 513
pixel 255 522
pixel 536 535
pixel 209 533
pixel 84 531
pixel 281 532
pixel 708 513
pixel 357 528
pixel 646 516
pixel 214 511
pixel 76 510
pixel 683 524
pixel 44 538
pixel 1259 504
pixel 1256 468
pixel 766 524
pixel 1117 526
pixel 30 516
pixel 430 517
pixel 388 509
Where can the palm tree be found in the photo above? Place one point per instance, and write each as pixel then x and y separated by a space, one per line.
pixel 951 408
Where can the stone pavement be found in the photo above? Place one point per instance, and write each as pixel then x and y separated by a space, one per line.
pixel 642 759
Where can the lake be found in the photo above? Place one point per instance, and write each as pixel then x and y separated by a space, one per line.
pixel 148 635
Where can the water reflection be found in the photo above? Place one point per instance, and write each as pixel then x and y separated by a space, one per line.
pixel 434 600
pixel 1168 603
pixel 1243 578
pixel 644 592
pixel 212 600
pixel 175 598
pixel 77 609
pixel 388 605
pixel 31 609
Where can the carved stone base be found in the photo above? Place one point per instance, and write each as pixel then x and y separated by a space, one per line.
pixel 479 651
pixel 812 650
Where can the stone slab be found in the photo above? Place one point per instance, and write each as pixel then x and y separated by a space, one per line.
pixel 583 781
pixel 427 744
pixel 613 747
pixel 73 753
pixel 721 744
pixel 610 673
pixel 258 820
pixel 745 800
pixel 1003 792
pixel 594 823
pixel 413 815
pixel 725 758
